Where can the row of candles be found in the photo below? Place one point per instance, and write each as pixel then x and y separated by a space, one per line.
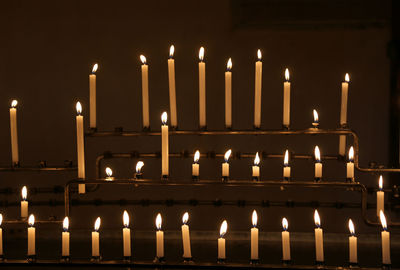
pixel 187 255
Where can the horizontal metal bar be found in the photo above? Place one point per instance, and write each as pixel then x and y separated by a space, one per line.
pixel 29 169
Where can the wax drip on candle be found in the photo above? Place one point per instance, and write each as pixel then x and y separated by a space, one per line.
pixel 287 75
pixel 285 224
pixel 317 220
pixel 66 224
pixel 380 183
pixel 31 220
pixel 139 166
pixel 158 222
pixel 223 229
pixel 196 157
pixel 125 219
pixel 164 118
pixel 257 160
pixel 259 55
pixel 286 159
pixel 351 154
pixel 317 154
pixel 351 228
pixel 347 78
pixel 143 59
pixel 229 65
pixel 14 103
pixel 227 155
pixel 254 219
pixel 383 220
pixel 97 224
pixel 24 193
pixel 201 54
pixel 171 51
pixel 95 67
pixel 316 119
pixel 185 218
pixel 78 108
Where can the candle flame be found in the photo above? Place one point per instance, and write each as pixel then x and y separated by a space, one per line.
pixel 347 77
pixel 158 221
pixel 97 224
pixel 126 219
pixel 223 229
pixel 24 193
pixel 78 108
pixel 254 218
pixel 315 113
pixel 201 54
pixel 66 224
pixel 95 67
pixel 351 227
pixel 171 51
pixel 383 220
pixel 257 159
pixel 139 166
pixel 196 156
pixel 317 154
pixel 351 154
pixel 317 220
pixel 109 172
pixel 14 103
pixel 259 55
pixel 286 159
pixel 229 64
pixel 185 218
pixel 31 220
pixel 143 59
pixel 287 74
pixel 380 182
pixel 164 118
pixel 285 224
pixel 227 155
pixel 1 219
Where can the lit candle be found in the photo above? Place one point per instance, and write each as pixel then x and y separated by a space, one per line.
pixel 318 164
pixel 31 236
pixel 80 144
pixel 65 238
pixel 286 100
pixel 257 92
pixel 343 113
pixel 109 174
pixel 256 168
pixel 380 198
pixel 228 94
pixel 24 203
pixel 315 123
pixel 352 244
pixel 225 165
pixel 285 241
pixel 14 133
pixel 254 238
pixel 139 166
pixel 221 241
pixel 286 167
pixel 172 90
pixel 202 89
pixel 319 239
pixel 96 239
pixel 1 237
pixel 145 92
pixel 350 166
pixel 159 238
pixel 126 235
pixel 196 166
pixel 164 145
pixel 385 235
pixel 92 90
pixel 187 254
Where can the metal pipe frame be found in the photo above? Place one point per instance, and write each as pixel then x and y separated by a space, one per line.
pixel 31 169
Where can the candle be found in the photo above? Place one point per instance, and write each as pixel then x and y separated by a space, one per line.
pixel 24 203
pixel 343 113
pixel 318 164
pixel 164 145
pixel 80 143
pixel 14 133
pixel 92 90
pixel 350 166
pixel 159 238
pixel 352 244
pixel 65 238
pixel 315 123
pixel 319 239
pixel 380 198
pixel 385 235
pixel 145 92
pixel 285 241
pixel 96 239
pixel 228 94
pixel 196 165
pixel 286 167
pixel 257 92
pixel 187 254
pixel 286 100
pixel 202 89
pixel 256 168
pixel 109 174
pixel 225 165
pixel 254 238
pixel 221 241
pixel 1 237
pixel 126 235
pixel 31 236
pixel 172 90
pixel 139 166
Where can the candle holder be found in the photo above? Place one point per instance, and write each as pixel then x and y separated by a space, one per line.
pixel 188 260
pixel 159 260
pixel 285 127
pixel 203 128
pixel 16 164
pixel 164 177
pixel 65 259
pixel 315 125
pixel 195 177
pixel 350 180
pixel 287 262
pixel 287 179
pixel 320 264
pixel 256 128
pixel 221 261
pixel 228 128
pixel 386 266
pixel 317 179
pixel 255 261
pixel 255 178
pixel 127 258
pixel 95 259
pixel 31 258
pixel 353 265
pixel 225 178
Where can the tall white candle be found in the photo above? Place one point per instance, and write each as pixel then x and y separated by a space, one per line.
pixel 352 244
pixel 65 238
pixel 350 166
pixel 228 94
pixel 202 89
pixel 221 241
pixel 186 237
pixel 164 145
pixel 318 164
pixel 92 93
pixel 285 241
pixel 1 236
pixel 315 122
pixel 80 144
pixel 254 238
pixel 256 168
pixel 24 203
pixel 385 235
pixel 109 174
pixel 14 133
pixel 126 235
pixel 380 198
pixel 31 236
pixel 286 166
pixel 172 87
pixel 286 100
pixel 159 238
pixel 196 165
pixel 319 238
pixel 343 113
pixel 257 91
pixel 96 239
pixel 139 166
pixel 225 165
pixel 145 92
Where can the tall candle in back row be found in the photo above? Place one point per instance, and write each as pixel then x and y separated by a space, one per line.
pixel 145 93
pixel 286 100
pixel 257 91
pixel 343 113
pixel 80 141
pixel 319 238
pixel 14 133
pixel 380 198
pixel 202 89
pixel 172 87
pixel 164 145
pixel 92 93
pixel 228 94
